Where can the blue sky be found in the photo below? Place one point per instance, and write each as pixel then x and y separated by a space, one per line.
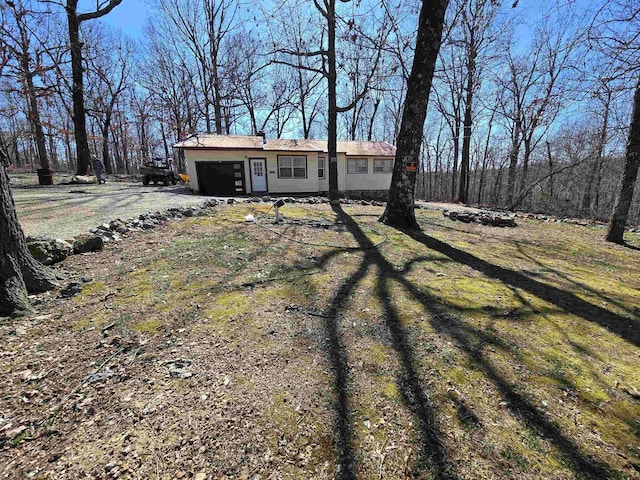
pixel 130 16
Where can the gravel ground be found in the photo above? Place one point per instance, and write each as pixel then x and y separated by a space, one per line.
pixel 64 211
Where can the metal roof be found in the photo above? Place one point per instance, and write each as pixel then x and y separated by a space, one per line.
pixel 221 142
pixel 354 149
pixel 281 144
pixel 246 142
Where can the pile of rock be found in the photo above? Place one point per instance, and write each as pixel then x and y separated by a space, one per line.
pixel 50 251
pixel 115 229
pixel 375 203
pixel 482 217
pixel 313 200
pixel 582 222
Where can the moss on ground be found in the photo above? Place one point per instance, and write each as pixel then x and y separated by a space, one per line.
pixel 484 338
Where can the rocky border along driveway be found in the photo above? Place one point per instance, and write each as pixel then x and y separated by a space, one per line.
pixel 491 219
pixel 50 251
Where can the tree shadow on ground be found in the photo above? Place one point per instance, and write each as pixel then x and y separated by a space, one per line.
pixel 625 327
pixel 629 246
pixel 433 451
pixel 578 285
pixel 432 456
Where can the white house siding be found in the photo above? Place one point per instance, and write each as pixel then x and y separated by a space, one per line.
pixel 274 184
pixel 292 185
pixel 311 184
pixel 323 183
pixel 193 156
pixel 367 181
pixel 342 171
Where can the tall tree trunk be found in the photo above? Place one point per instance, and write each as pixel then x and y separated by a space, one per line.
pixel 30 90
pixel 438 177
pixel 217 101
pixel 77 89
pixel 144 143
pixel 165 143
pixel 523 179
pixel 332 121
pixel 106 158
pixel 483 169
pixel 207 116
pixel 455 132
pixel 116 151
pixel 550 161
pixel 34 119
pixel 595 167
pixel 497 186
pixel 53 153
pixel 74 19
pixel 400 212
pixel 376 105
pixel 632 161
pixel 485 157
pixel 596 200
pixel 463 194
pixel 67 141
pixel 13 291
pixel 513 162
pixel 19 271
pixel 303 109
pixel 125 150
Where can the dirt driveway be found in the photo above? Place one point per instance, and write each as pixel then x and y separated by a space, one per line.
pixel 64 211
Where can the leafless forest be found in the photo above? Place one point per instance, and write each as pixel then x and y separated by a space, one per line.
pixel 530 105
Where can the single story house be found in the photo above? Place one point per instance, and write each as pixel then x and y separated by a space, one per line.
pixel 229 165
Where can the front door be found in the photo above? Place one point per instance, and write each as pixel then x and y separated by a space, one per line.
pixel 258 175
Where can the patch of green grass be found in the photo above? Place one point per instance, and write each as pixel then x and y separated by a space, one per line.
pixel 17 440
pixel 97 320
pixel 90 289
pixel 147 326
pixel 226 307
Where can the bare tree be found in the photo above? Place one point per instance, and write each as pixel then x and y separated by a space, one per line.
pixel 617 27
pixel 604 97
pixel 75 19
pixel 399 211
pixel 19 271
pixel 169 84
pixel 265 91
pixel 476 17
pixel 618 221
pixel 531 98
pixel 328 68
pixel 198 33
pixel 109 69
pixel 449 102
pixel 19 39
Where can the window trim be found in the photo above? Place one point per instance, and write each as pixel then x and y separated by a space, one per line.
pixel 356 159
pixel 385 160
pixel 324 167
pixel 293 177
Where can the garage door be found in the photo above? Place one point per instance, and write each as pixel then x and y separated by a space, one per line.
pixel 221 178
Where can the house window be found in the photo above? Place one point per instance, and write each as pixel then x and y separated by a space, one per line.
pixel 382 165
pixel 292 167
pixel 357 165
pixel 320 167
